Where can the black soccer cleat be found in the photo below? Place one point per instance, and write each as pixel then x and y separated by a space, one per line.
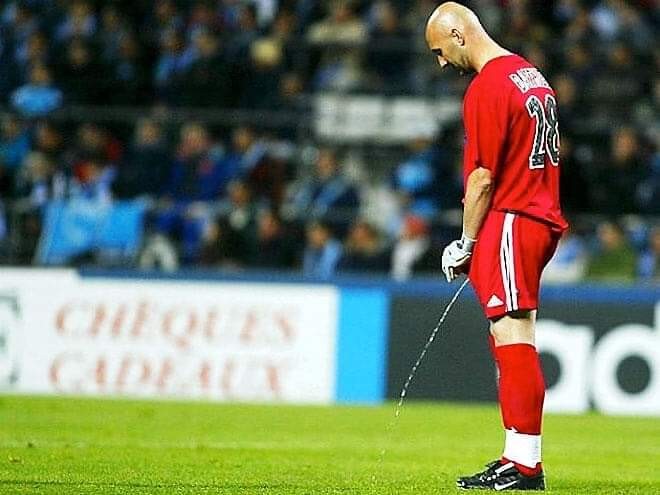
pixel 498 477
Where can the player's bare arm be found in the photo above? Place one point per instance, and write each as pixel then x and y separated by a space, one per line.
pixel 478 197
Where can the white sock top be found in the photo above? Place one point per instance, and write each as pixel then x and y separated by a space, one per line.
pixel 522 449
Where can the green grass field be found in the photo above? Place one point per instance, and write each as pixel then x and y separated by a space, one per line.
pixel 76 446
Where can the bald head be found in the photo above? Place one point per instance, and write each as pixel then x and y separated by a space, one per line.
pixel 456 37
pixel 452 15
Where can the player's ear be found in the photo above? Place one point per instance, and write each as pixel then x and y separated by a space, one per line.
pixel 457 36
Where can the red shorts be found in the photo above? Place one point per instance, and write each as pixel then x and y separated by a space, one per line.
pixel 507 261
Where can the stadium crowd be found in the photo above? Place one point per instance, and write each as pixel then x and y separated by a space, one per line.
pixel 249 197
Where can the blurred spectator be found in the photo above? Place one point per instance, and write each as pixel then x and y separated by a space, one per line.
pixel 536 55
pixel 569 263
pixel 92 181
pixel 49 141
pixel 113 31
pixel 634 27
pixel 338 38
pixel 341 26
pixel 567 97
pixel 322 252
pixel 414 252
pixel 21 23
pixel 83 79
pixel 94 142
pixel 37 54
pixel 37 183
pixel 40 181
pixel 14 147
pixel 364 250
pixel 14 143
pixel 579 28
pixel 171 64
pixel 283 33
pixel 579 63
pixel 195 174
pixel 247 31
pixel 648 266
pixel 520 27
pixel 250 159
pixel 38 97
pixel 618 84
pixel 615 185
pixel 206 81
pixel 564 11
pixel 146 165
pixel 387 55
pixel 327 195
pixel 606 18
pixel 201 19
pixel 240 223
pixel 614 259
pixel 163 19
pixel 9 74
pixel 418 180
pixel 128 73
pixel 308 11
pixel 261 85
pixel 649 189
pixel 290 98
pixel 231 240
pixel 573 177
pixel 275 247
pixel 79 22
pixel 158 254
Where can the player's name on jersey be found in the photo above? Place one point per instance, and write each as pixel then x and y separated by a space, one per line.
pixel 528 78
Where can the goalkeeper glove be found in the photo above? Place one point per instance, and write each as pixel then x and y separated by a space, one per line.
pixel 456 255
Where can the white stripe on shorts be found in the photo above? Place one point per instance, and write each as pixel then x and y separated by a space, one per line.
pixel 507 263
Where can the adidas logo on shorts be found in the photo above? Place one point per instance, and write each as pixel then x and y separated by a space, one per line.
pixel 494 301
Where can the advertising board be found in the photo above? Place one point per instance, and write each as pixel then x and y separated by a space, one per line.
pixel 238 341
pixel 602 355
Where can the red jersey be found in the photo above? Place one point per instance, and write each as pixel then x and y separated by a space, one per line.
pixel 510 120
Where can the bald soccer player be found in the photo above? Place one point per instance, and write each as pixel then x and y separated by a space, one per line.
pixel 512 222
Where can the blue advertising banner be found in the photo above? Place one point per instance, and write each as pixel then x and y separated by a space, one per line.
pixel 362 345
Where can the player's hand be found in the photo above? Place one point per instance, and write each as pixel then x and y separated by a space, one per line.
pixel 455 256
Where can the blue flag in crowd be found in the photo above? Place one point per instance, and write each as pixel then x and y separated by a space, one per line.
pixel 73 228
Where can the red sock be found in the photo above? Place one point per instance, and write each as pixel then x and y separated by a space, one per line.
pixel 524 469
pixel 521 394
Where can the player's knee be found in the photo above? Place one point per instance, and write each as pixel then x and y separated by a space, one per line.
pixel 516 327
